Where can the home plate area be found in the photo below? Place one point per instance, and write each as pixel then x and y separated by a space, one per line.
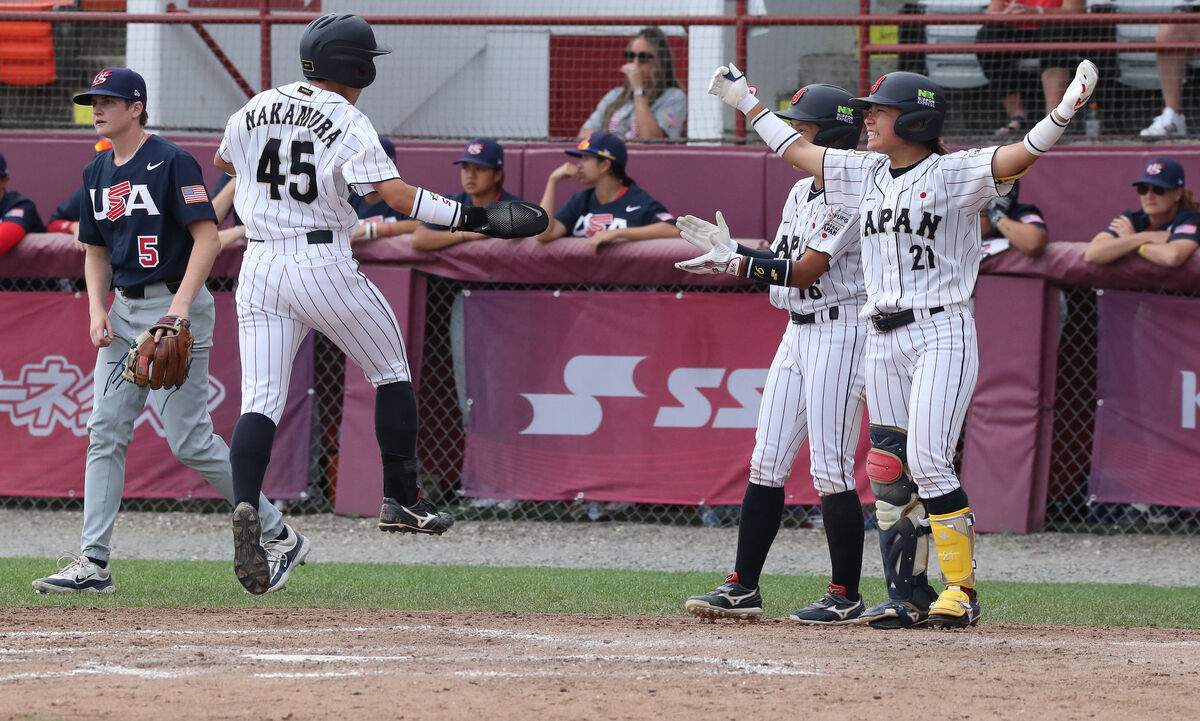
pixel 325 663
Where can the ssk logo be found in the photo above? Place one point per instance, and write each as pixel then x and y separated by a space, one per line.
pixel 590 377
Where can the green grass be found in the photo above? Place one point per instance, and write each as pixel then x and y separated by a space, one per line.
pixel 210 584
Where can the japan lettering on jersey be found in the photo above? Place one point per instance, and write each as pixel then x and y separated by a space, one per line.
pixel 300 150
pixel 141 210
pixel 808 221
pixel 921 241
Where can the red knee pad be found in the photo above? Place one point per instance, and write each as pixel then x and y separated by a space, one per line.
pixel 884 467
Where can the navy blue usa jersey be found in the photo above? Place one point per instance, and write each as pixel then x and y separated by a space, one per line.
pixel 141 211
pixel 375 212
pixel 465 198
pixel 1185 225
pixel 221 183
pixel 16 208
pixel 69 210
pixel 584 216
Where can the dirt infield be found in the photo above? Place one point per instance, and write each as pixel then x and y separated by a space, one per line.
pixel 322 664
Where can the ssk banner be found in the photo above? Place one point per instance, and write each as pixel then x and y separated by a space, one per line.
pixel 1147 441
pixel 46 391
pixel 647 397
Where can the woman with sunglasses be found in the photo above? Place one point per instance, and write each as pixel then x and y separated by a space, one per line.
pixel 650 104
pixel 918 210
pixel 1164 231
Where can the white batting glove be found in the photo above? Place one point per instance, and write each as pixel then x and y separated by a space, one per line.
pixel 1079 91
pixel 729 84
pixel 720 252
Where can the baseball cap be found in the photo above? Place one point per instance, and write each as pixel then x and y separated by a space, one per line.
pixel 3 166
pixel 388 147
pixel 483 151
pixel 117 83
pixel 602 145
pixel 1163 172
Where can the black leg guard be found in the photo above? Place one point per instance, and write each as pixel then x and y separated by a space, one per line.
pixel 396 431
pixel 249 454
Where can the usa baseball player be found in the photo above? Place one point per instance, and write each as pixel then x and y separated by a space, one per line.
pixel 815 387
pixel 297 149
pixel 151 233
pixel 919 220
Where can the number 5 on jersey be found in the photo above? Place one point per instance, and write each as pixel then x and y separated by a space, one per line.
pixel 303 186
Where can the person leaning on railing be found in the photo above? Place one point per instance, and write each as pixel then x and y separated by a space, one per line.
pixel 481 173
pixel 18 215
pixel 1166 231
pixel 650 104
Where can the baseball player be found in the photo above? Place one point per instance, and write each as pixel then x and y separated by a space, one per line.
pixel 919 220
pixel 815 385
pixel 297 149
pixel 18 214
pixel 150 233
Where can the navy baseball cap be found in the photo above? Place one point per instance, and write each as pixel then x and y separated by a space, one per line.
pixel 602 145
pixel 1163 172
pixel 117 83
pixel 483 151
pixel 3 166
pixel 388 147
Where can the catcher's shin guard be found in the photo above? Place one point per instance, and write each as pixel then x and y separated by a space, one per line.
pixel 954 537
pixel 903 533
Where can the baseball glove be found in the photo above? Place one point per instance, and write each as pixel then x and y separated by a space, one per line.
pixel 161 363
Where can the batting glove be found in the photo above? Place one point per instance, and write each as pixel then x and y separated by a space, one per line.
pixel 729 84
pixel 1079 91
pixel 720 252
pixel 997 209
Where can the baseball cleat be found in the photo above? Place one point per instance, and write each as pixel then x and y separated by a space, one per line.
pixel 249 557
pixel 730 600
pixel 284 555
pixel 833 609
pixel 957 607
pixel 892 615
pixel 80 575
pixel 420 517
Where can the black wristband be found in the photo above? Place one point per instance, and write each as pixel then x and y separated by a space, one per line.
pixel 764 253
pixel 773 271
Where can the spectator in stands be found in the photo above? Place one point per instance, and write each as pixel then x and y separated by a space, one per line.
pixel 1170 122
pixel 481 171
pixel 1022 225
pixel 18 215
pixel 1165 231
pixel 380 220
pixel 65 218
pixel 1002 71
pixel 650 104
pixel 613 208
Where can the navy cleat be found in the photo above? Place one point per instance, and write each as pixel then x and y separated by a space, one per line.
pixel 80 575
pixel 730 600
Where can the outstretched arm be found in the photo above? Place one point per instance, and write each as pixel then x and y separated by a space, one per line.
pixel 1013 160
pixel 729 84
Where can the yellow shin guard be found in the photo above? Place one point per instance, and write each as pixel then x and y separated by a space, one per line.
pixel 954 537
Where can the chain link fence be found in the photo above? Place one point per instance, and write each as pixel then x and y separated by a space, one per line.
pixel 441 437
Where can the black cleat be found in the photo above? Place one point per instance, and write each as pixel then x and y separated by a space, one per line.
pixel 420 517
pixel 834 609
pixel 730 600
pixel 249 557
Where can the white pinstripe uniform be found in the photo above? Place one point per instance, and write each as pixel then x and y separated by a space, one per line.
pixel 816 379
pixel 297 149
pixel 921 251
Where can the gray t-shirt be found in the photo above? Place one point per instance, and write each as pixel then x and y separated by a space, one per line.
pixel 670 109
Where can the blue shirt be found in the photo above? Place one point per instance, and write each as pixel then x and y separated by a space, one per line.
pixel 221 183
pixel 69 210
pixel 584 216
pixel 465 198
pixel 141 211
pixel 1027 213
pixel 380 211
pixel 16 208
pixel 1185 225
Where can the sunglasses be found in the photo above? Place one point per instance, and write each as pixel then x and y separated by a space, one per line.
pixel 630 56
pixel 1143 188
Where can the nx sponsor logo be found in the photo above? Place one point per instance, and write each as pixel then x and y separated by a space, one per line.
pixel 589 377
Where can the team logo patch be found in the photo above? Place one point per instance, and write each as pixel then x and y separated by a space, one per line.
pixel 474 148
pixel 799 94
pixel 15 213
pixel 307 65
pixel 664 217
pixel 845 115
pixel 308 92
pixel 101 77
pixel 1154 168
pixel 1189 229
pixel 925 97
pixel 1032 218
pixel 194 194
pixel 116 200
pixel 835 222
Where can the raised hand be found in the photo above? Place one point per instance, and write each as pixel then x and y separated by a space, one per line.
pixel 1080 90
pixel 729 84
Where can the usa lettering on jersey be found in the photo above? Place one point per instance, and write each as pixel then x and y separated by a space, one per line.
pixel 121 201
pixel 593 223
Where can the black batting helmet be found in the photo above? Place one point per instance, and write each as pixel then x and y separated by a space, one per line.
pixel 829 107
pixel 342 48
pixel 922 104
